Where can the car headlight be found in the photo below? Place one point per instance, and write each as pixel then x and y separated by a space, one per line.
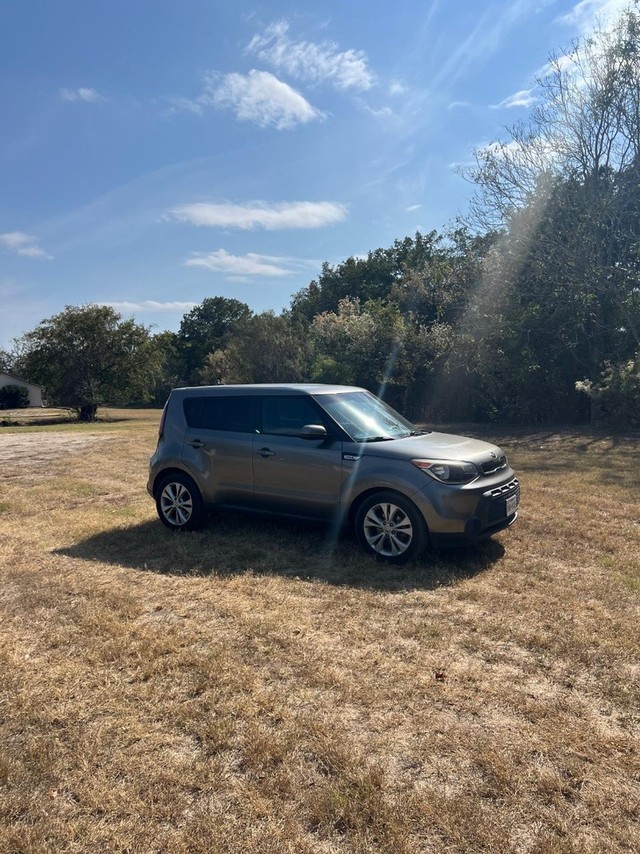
pixel 448 471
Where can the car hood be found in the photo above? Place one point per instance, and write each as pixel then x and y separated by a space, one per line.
pixel 437 446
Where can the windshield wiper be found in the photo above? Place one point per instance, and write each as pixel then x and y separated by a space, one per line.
pixel 419 432
pixel 377 439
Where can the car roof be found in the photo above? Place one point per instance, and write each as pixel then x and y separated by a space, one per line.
pixel 267 388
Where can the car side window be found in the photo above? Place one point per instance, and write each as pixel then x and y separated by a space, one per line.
pixel 286 416
pixel 234 413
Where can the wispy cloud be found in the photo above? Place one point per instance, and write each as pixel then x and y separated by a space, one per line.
pixel 257 97
pixel 83 93
pixel 522 98
pixel 23 244
pixel 587 14
pixel 185 104
pixel 312 62
pixel 457 105
pixel 250 264
pixel 559 62
pixel 378 112
pixel 483 40
pixel 147 305
pixel 585 17
pixel 413 208
pixel 262 215
pixel 504 148
pixel 542 155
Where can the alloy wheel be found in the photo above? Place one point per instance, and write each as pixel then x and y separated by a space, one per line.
pixel 176 504
pixel 387 529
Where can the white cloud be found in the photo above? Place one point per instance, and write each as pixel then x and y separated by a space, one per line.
pixel 413 208
pixel 262 215
pixel 83 93
pixel 396 88
pixel 585 17
pixel 250 264
pixel 33 251
pixel 501 148
pixel 14 240
pixel 178 104
pixel 454 105
pixel 522 98
pixel 379 112
pixel 258 97
pixel 561 62
pixel 587 14
pixel 541 155
pixel 23 244
pixel 148 305
pixel 311 62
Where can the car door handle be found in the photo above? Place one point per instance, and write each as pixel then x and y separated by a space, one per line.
pixel 196 443
pixel 266 452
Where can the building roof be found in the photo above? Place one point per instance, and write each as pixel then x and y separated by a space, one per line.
pixel 18 380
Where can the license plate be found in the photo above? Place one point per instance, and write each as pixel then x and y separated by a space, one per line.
pixel 512 504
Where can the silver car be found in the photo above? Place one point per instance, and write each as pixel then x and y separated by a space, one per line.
pixel 327 452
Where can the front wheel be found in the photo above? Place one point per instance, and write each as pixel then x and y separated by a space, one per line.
pixel 179 503
pixel 390 526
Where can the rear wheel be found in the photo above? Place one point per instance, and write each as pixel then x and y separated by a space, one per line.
pixel 179 503
pixel 391 527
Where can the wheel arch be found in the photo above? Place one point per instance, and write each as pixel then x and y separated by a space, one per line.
pixel 167 473
pixel 362 497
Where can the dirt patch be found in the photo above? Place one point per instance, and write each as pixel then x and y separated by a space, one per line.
pixel 30 453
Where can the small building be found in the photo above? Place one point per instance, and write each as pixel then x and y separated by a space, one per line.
pixel 35 391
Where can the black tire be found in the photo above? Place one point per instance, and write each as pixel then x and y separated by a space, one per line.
pixel 391 527
pixel 179 503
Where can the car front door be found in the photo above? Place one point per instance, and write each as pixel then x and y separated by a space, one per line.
pixel 294 475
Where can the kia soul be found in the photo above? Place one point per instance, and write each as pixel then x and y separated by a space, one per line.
pixel 327 452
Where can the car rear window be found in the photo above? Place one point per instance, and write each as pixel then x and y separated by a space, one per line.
pixel 234 413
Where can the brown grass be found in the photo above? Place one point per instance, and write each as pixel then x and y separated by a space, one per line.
pixel 255 688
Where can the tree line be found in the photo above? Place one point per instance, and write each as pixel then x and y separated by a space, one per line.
pixel 527 311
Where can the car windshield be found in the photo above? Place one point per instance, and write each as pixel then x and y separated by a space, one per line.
pixel 365 417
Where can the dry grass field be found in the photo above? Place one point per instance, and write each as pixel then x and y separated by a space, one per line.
pixel 255 689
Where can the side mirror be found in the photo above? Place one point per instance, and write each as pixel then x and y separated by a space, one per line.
pixel 313 431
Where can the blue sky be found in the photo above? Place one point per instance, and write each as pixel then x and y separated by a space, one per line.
pixel 154 153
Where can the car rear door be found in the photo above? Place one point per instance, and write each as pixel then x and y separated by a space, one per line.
pixel 218 446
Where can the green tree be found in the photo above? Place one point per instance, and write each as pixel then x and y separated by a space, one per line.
pixel 170 367
pixel 203 330
pixel 262 348
pixel 87 356
pixel 375 346
pixel 6 361
pixel 565 188
pixel 617 393
pixel 364 279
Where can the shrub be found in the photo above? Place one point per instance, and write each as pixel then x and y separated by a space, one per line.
pixel 615 398
pixel 13 397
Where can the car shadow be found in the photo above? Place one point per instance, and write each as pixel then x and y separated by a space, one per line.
pixel 237 544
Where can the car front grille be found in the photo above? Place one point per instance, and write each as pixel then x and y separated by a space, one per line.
pixel 494 465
